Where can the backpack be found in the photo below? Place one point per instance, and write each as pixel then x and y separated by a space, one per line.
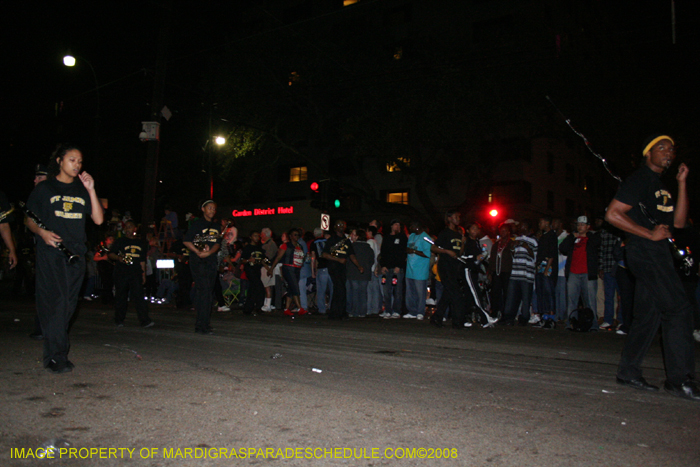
pixel 581 319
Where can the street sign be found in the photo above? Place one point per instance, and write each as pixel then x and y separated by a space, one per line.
pixel 325 222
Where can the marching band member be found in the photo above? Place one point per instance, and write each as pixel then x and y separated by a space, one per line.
pixel 204 233
pixel 129 255
pixel 63 203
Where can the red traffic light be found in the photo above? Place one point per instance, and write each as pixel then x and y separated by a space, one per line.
pixel 493 212
pixel 314 186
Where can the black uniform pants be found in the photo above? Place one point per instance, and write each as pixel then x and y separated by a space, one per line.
pixel 452 278
pixel 57 288
pixel 205 274
pixel 339 298
pixel 125 282
pixel 659 299
pixel 256 291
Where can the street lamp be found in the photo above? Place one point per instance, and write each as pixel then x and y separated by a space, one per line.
pixel 70 61
pixel 220 141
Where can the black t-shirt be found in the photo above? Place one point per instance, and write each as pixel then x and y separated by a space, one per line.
pixel 645 186
pixel 548 247
pixel 449 240
pixel 343 250
pixel 256 253
pixel 393 251
pixel 204 228
pixel 63 208
pixel 136 248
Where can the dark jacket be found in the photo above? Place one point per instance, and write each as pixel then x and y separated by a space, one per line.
pixel 592 246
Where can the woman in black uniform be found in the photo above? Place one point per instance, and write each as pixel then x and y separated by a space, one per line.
pixel 63 203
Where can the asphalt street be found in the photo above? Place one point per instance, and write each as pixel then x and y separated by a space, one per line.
pixel 272 390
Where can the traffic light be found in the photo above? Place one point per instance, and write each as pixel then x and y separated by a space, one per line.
pixel 493 213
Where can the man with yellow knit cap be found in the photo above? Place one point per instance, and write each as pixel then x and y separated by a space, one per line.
pixel 646 211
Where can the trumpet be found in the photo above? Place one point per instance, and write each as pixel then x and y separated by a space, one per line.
pixel 335 249
pixel 3 215
pixel 72 259
pixel 264 260
pixel 200 241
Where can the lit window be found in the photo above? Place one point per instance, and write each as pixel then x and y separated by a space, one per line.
pixel 294 78
pixel 490 197
pixel 394 167
pixel 349 2
pixel 397 198
pixel 297 174
pixel 398 53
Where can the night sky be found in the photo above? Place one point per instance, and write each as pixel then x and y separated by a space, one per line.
pixel 655 84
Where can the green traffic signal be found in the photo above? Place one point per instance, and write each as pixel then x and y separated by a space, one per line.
pixel 337 203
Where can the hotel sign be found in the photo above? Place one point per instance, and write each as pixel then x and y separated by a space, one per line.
pixel 263 212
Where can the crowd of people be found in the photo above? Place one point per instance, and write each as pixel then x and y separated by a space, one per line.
pixel 589 275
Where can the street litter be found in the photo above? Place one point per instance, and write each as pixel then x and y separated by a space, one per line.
pixel 136 354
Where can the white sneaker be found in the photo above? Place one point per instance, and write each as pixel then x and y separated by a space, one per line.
pixel 696 335
pixel 430 302
pixel 534 319
pixel 395 315
pixel 623 333
pixel 409 316
pixel 88 298
pixel 223 308
pixel 468 324
pixel 444 320
pixel 604 325
pixel 266 309
pixel 384 314
pixel 420 317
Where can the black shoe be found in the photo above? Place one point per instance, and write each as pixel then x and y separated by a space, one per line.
pixel 70 364
pixel 436 322
pixel 638 383
pixel 36 336
pixel 58 367
pixel 687 390
pixel 506 322
pixel 207 331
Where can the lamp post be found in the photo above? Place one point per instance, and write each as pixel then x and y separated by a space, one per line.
pixel 220 141
pixel 70 61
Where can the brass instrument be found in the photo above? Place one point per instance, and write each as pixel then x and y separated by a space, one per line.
pixel 338 246
pixel 3 215
pixel 200 241
pixel 264 260
pixel 126 257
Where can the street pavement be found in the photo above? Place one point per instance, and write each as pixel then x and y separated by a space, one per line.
pixel 272 390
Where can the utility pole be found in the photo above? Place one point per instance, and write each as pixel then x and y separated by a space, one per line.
pixel 153 149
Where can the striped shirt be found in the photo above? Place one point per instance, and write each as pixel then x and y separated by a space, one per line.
pixel 524 262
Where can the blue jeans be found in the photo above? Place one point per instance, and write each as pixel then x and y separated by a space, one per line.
pixel 610 286
pixel 374 295
pixel 560 293
pixel 323 283
pixel 545 293
pixel 518 292
pixel 303 299
pixel 578 286
pixel 357 298
pixel 416 291
pixel 393 294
